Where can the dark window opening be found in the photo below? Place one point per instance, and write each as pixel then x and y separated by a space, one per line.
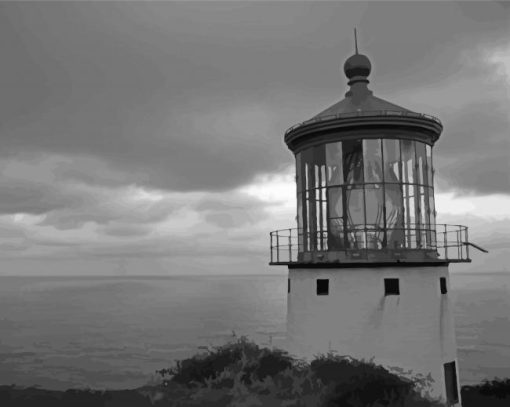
pixel 391 286
pixel 288 285
pixel 442 284
pixel 322 286
pixel 450 377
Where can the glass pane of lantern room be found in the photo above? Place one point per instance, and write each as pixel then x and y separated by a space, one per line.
pixel 391 150
pixel 352 159
pixel 314 161
pixel 318 160
pixel 421 160
pixel 408 161
pixel 424 216
pixel 313 158
pixel 374 204
pixel 410 215
pixel 306 163
pixel 306 223
pixel 429 164
pixel 334 163
pixel 324 209
pixel 432 209
pixel 299 171
pixel 394 216
pixel 309 199
pixel 300 221
pixel 335 219
pixel 372 160
pixel 355 213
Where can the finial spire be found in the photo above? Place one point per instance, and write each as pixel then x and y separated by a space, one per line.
pixel 355 41
pixel 357 68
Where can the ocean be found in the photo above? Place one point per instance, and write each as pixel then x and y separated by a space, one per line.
pixel 115 332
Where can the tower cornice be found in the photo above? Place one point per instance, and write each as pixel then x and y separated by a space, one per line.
pixel 386 124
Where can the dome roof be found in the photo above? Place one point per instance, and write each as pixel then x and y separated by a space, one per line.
pixel 359 98
pixel 368 103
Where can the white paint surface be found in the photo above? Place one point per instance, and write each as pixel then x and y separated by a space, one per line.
pixel 413 331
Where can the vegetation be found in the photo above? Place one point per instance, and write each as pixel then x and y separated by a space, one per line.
pixel 491 393
pixel 241 374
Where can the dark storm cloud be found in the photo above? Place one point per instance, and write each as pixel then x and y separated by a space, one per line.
pixel 27 199
pixel 85 79
pixel 196 96
pixel 474 152
pixel 33 198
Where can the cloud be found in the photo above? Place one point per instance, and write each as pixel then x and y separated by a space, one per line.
pixel 197 97
pixel 155 130
pixel 474 153
pixel 71 219
pixel 28 186
pixel 123 230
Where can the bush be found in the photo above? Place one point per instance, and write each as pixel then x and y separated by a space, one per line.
pixel 354 382
pixel 241 373
pixel 258 363
pixel 491 393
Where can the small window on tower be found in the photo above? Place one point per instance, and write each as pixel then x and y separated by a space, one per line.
pixel 288 285
pixel 391 286
pixel 442 284
pixel 322 286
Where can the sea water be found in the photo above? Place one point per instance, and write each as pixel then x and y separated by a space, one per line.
pixel 115 332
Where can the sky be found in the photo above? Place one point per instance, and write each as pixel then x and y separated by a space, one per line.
pixel 147 137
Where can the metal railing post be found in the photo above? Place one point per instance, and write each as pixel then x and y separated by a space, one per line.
pixel 445 240
pixel 290 245
pixel 467 240
pixel 271 245
pixel 277 247
pixel 459 245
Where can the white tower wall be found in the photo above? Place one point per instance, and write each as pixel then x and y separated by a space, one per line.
pixel 413 331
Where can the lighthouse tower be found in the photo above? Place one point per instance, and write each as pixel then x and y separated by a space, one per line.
pixel 368 265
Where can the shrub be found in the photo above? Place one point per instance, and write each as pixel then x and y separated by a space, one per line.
pixel 257 362
pixel 493 393
pixel 358 383
pixel 241 373
pixel 499 388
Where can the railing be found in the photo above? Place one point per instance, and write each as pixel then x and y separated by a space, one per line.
pixel 364 114
pixel 444 243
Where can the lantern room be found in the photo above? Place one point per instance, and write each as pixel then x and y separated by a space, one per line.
pixel 365 184
pixel 366 193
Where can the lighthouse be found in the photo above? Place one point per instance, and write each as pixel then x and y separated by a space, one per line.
pixel 368 264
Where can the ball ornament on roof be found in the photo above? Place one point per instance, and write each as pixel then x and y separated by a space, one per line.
pixel 357 65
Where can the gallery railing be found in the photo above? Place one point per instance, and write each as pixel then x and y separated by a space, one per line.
pixel 447 242
pixel 364 114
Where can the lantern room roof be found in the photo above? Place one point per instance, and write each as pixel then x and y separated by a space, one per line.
pixel 359 98
pixel 361 110
pixel 366 103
